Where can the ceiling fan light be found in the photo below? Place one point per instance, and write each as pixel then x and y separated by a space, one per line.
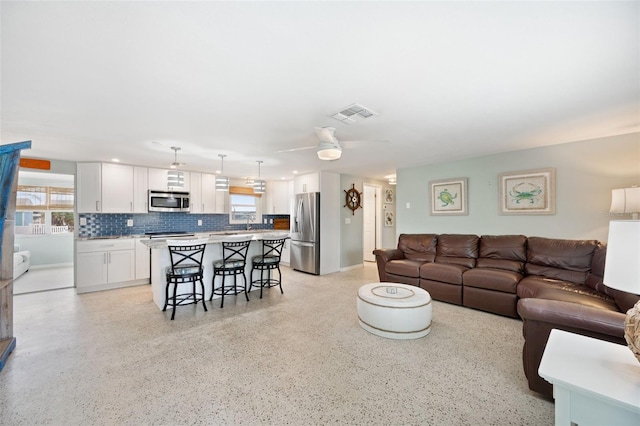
pixel 328 151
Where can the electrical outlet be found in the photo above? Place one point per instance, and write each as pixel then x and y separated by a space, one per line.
pixel 264 220
pixel 408 205
pixel 271 221
pixel 347 221
pixel 129 222
pixel 83 221
pixel 199 222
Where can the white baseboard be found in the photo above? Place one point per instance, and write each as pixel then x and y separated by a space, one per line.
pixel 110 286
pixel 51 265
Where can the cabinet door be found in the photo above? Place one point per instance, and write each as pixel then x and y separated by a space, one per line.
pixel 140 190
pixel 143 259
pixel 91 269
pixel 195 201
pixel 221 202
pixel 121 265
pixel 285 256
pixel 307 183
pixel 117 188
pixel 277 198
pixel 208 193
pixel 89 187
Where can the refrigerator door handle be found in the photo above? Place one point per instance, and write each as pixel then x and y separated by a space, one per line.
pixel 296 220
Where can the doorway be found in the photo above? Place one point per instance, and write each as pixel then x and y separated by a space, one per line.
pixel 44 232
pixel 372 223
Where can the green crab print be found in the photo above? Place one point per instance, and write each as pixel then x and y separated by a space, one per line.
pixel 525 192
pixel 446 198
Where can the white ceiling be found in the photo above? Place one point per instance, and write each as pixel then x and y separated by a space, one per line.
pixel 450 80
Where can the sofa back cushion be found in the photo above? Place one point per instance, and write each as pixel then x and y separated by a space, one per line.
pixel 508 252
pixel 420 247
pixel 623 300
pixel 459 249
pixel 567 260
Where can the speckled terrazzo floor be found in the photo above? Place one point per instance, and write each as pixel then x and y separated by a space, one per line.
pixel 294 359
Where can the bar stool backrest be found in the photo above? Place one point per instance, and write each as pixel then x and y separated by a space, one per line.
pixel 273 248
pixel 234 251
pixel 186 254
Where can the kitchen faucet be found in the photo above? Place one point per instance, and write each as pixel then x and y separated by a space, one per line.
pixel 249 220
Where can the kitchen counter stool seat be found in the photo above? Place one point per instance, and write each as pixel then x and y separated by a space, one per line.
pixel 267 262
pixel 186 267
pixel 234 260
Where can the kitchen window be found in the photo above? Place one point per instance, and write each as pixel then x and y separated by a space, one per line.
pixel 42 210
pixel 244 206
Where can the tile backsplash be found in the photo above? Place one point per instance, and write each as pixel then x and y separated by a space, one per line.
pixel 101 225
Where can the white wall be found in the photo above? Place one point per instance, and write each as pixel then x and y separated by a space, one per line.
pixel 48 250
pixel 586 172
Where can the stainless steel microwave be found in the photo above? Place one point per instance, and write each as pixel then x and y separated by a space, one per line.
pixel 168 201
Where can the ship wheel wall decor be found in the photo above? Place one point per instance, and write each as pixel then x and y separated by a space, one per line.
pixel 354 199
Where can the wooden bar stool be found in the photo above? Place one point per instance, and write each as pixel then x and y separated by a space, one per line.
pixel 186 267
pixel 233 262
pixel 267 262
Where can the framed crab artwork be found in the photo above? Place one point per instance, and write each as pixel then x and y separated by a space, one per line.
pixel 448 197
pixel 527 192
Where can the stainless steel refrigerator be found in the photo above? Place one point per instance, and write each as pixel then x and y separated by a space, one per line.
pixel 305 233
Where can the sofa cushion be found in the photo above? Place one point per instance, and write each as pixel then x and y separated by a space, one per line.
pixel 449 273
pixel 420 247
pixel 507 252
pixel 492 279
pixel 457 249
pixel 566 260
pixel 404 267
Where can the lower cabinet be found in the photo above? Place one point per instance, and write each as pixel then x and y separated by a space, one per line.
pixel 105 264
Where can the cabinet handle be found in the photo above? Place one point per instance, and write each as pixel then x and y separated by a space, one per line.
pixel 109 257
pixel 130 205
pixel 97 206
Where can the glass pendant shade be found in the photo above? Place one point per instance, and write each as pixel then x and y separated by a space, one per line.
pixel 222 182
pixel 175 179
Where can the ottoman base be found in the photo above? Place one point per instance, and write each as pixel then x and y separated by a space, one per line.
pixel 394 311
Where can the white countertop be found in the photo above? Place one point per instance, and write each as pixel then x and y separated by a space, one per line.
pixel 218 237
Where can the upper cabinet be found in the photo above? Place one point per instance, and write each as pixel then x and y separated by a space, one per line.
pixel 203 193
pixel 158 180
pixel 89 187
pixel 111 188
pixel 277 198
pixel 306 183
pixel 117 188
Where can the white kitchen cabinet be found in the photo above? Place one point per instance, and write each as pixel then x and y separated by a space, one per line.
pixel 222 201
pixel 117 188
pixel 158 180
pixel 88 187
pixel 140 190
pixel 278 198
pixel 203 193
pixel 143 260
pixel 307 183
pixel 104 264
pixel 195 198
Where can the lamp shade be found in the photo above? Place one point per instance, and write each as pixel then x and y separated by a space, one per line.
pixel 625 200
pixel 222 183
pixel 622 265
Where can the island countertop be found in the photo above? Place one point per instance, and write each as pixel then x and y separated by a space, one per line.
pixel 218 237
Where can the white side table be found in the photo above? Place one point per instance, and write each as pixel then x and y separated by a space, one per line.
pixel 594 382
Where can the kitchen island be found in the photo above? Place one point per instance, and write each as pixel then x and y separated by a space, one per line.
pixel 160 259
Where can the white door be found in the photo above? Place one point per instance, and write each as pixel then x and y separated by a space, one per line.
pixel 370 204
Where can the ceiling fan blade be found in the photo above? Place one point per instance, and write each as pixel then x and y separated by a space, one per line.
pixel 297 149
pixel 358 143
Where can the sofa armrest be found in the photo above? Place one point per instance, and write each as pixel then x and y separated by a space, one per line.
pixel 540 316
pixel 386 255
pixel 566 315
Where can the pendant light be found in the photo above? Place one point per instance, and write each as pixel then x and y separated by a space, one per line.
pixel 259 185
pixel 222 182
pixel 175 178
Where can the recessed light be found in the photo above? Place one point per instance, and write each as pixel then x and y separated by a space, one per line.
pixel 115 160
pixel 295 172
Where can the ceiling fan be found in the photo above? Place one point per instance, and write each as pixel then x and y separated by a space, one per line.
pixel 329 148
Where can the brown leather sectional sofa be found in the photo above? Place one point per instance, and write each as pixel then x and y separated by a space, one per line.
pixel 549 283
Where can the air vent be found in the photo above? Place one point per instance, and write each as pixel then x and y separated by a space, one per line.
pixel 353 114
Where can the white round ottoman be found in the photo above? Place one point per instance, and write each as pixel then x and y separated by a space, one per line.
pixel 395 311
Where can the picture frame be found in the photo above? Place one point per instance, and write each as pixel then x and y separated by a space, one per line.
pixel 388 218
pixel 388 196
pixel 528 192
pixel 448 197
